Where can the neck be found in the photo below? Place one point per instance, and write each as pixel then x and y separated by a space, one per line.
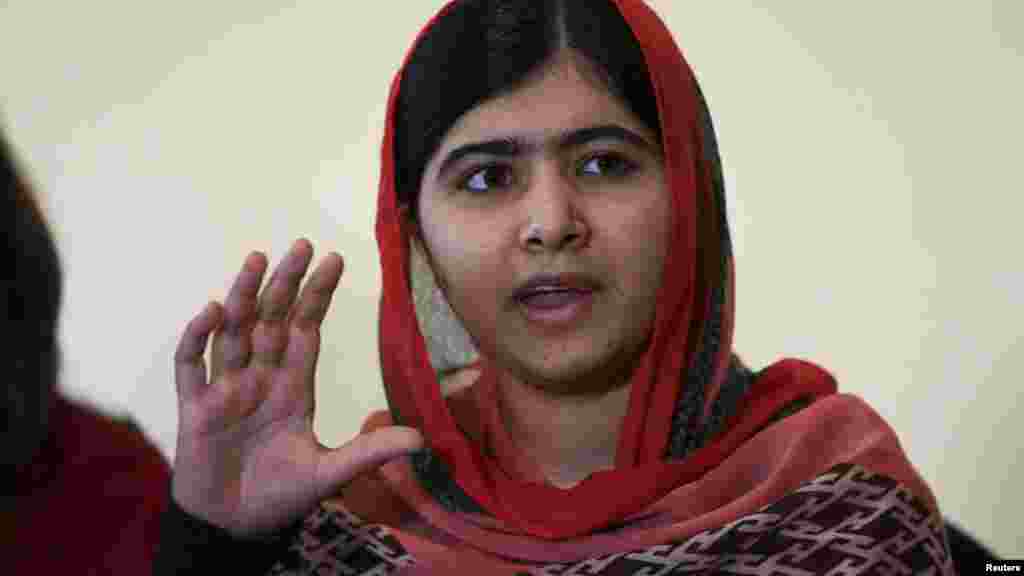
pixel 569 437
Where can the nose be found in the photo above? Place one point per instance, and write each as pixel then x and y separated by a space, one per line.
pixel 553 220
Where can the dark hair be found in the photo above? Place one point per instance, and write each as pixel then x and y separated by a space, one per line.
pixel 480 49
pixel 30 280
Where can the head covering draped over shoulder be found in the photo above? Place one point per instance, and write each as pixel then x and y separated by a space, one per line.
pixel 705 440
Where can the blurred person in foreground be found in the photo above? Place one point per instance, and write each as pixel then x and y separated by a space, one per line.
pixel 82 492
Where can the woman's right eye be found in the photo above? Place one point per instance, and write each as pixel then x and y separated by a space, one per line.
pixel 486 178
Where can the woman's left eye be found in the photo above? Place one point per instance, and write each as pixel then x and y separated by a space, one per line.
pixel 607 165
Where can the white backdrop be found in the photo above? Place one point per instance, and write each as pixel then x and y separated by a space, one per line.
pixel 872 153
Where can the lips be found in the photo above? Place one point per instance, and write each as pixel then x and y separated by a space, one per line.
pixel 553 304
pixel 556 301
pixel 553 299
pixel 555 290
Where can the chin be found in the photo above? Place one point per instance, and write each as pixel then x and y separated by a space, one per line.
pixel 584 364
pixel 573 375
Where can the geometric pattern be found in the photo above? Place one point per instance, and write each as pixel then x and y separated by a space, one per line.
pixel 845 522
pixel 334 541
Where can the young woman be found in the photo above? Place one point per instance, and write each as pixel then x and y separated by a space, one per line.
pixel 555 340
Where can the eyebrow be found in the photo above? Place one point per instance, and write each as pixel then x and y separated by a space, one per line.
pixel 511 147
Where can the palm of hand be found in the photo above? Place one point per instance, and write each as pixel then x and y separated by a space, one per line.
pixel 247 458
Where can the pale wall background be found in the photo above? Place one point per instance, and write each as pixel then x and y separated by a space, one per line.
pixel 872 152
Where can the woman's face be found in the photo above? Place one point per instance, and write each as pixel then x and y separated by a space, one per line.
pixel 555 178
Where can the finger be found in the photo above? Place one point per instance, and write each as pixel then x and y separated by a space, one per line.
pixel 269 336
pixel 311 309
pixel 461 379
pixel 363 453
pixel 303 348
pixel 189 365
pixel 232 343
pixel 279 294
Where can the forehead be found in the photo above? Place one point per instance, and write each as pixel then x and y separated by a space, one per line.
pixel 566 93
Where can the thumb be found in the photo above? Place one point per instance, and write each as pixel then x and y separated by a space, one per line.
pixel 363 453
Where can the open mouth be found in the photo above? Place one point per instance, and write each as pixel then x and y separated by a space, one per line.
pixel 556 308
pixel 554 299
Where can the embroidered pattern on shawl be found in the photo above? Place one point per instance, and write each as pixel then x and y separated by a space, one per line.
pixel 334 541
pixel 847 521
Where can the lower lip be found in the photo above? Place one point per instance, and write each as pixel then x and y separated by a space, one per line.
pixel 571 308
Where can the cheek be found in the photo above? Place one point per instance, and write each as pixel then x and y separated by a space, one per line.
pixel 465 251
pixel 469 256
pixel 658 228
pixel 639 242
pixel 640 234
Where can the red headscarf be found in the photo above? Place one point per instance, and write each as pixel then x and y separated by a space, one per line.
pixel 760 462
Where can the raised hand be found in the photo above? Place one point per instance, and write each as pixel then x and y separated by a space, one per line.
pixel 247 459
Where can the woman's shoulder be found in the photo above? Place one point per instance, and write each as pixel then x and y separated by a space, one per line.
pixel 802 389
pixel 844 429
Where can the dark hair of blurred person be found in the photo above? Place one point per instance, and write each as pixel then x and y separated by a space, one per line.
pixel 82 491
